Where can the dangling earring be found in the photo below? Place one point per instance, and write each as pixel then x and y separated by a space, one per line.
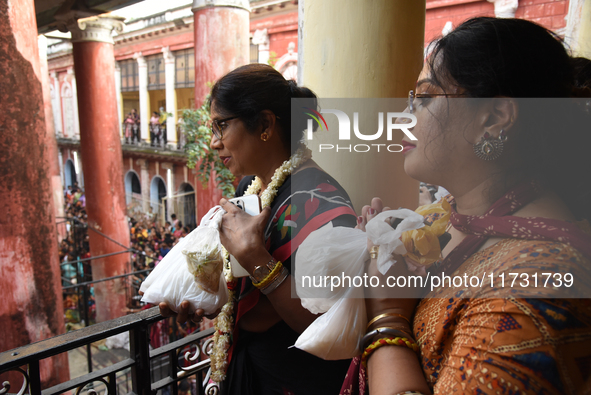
pixel 264 136
pixel 490 148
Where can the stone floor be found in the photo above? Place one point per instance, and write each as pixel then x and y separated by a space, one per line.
pixel 101 357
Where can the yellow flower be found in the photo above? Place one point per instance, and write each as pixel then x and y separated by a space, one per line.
pixel 423 244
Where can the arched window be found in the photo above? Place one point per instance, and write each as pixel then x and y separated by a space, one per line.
pixel 157 192
pixel 133 187
pixel 70 173
pixel 187 205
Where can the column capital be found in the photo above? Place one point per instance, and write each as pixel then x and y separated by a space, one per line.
pixel 168 56
pixel 141 61
pixel 98 28
pixel 53 74
pixel 505 8
pixel 199 4
pixel 260 37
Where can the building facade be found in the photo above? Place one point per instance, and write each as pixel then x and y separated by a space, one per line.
pixel 154 75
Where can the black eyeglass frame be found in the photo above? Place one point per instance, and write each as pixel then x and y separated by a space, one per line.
pixel 412 96
pixel 217 130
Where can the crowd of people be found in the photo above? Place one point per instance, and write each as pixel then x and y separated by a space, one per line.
pixel 150 242
pixel 74 244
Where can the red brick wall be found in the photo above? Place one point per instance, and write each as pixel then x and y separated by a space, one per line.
pixel 548 13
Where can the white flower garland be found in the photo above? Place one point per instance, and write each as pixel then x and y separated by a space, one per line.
pixel 224 323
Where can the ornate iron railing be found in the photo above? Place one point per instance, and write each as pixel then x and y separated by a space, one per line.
pixel 192 350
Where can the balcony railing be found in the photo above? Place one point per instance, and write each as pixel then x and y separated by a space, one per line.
pixel 131 135
pixel 184 358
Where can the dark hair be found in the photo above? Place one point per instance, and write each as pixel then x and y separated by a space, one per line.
pixel 490 57
pixel 582 68
pixel 250 89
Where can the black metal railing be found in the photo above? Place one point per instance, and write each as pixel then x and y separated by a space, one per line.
pixel 187 358
pixel 158 137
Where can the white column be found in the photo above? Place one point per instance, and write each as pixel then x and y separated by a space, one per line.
pixel 57 105
pixel 142 67
pixel 61 165
pixel 118 95
pixel 169 73
pixel 74 102
pixel 169 186
pixel 505 8
pixel 261 38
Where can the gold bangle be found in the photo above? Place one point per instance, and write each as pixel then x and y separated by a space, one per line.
pixel 373 252
pixel 270 277
pixel 402 329
pixel 379 317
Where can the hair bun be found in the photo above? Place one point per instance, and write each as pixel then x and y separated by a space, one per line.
pixel 294 90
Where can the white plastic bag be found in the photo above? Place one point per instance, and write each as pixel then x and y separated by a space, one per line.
pixel 338 252
pixel 331 256
pixel 381 233
pixel 171 280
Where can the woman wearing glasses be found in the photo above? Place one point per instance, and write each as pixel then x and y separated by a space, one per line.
pixel 514 168
pixel 256 137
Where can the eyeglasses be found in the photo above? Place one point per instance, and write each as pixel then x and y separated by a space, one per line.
pixel 412 96
pixel 217 127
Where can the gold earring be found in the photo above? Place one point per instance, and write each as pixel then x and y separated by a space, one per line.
pixel 264 136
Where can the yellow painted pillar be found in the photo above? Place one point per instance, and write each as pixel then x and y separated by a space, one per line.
pixel 363 49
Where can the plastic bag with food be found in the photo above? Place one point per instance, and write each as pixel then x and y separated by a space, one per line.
pixel 192 270
pixel 338 254
pixel 330 267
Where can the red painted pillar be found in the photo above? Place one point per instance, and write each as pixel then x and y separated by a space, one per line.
pixel 221 45
pixel 30 284
pixel 102 160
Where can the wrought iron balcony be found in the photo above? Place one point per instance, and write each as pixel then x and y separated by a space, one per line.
pixel 193 351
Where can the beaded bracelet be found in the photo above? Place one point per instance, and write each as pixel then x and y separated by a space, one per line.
pixel 270 277
pixel 397 341
pixel 383 331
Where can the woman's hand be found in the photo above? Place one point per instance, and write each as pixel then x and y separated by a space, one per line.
pixel 243 235
pixel 397 301
pixel 183 315
pixel 387 298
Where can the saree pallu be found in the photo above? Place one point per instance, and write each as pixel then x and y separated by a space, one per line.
pixel 265 363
